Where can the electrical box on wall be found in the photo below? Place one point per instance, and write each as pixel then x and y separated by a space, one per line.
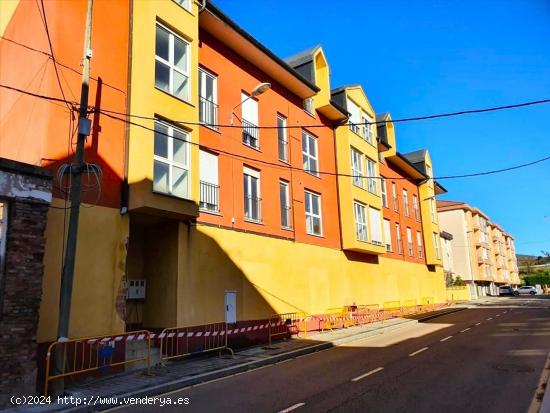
pixel 136 290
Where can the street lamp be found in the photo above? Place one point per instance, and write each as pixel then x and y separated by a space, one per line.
pixel 257 91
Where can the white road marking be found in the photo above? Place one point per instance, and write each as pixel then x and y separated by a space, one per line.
pixel 446 338
pixel 362 376
pixel 478 324
pixel 498 315
pixel 293 407
pixel 466 329
pixel 490 318
pixel 418 351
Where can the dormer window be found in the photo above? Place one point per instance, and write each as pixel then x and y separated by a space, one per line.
pixel 308 105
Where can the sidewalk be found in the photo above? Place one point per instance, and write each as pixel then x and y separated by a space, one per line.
pixel 190 371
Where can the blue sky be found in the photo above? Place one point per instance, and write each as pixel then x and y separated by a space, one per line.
pixel 416 58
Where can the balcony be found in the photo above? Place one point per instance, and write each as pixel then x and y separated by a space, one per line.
pixel 210 195
pixel 208 113
pixel 252 209
pixel 250 134
pixel 285 217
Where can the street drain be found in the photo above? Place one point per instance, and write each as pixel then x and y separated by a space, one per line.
pixel 513 368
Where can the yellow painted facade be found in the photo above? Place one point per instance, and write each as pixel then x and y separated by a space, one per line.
pixel 99 272
pixel 349 190
pixel 273 275
pixel 7 8
pixel 150 101
pixel 430 226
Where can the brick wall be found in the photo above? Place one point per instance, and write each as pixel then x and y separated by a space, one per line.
pixel 21 281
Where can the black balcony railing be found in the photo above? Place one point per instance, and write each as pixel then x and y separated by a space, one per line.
pixel 253 208
pixel 210 195
pixel 250 134
pixel 283 150
pixel 208 113
pixel 285 216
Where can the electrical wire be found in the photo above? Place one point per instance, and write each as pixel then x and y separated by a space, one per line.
pixel 399 120
pixel 290 167
pixel 45 21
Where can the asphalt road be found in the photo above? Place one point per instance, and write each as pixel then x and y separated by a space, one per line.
pixel 485 359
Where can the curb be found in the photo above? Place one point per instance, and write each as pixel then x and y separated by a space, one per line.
pixel 442 313
pixel 229 371
pixel 541 399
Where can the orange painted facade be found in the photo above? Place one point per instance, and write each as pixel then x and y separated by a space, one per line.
pixel 236 76
pixel 397 215
pixel 36 131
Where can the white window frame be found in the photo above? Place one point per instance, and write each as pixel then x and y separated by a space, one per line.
pixel 398 238
pixel 394 197
pixel 368 128
pixel 360 218
pixel 249 174
pixel 357 168
pixel 170 160
pixel 186 6
pixel 286 203
pixel 308 205
pixel 355 116
pixel 415 208
pixel 372 176
pixel 436 245
pixel 429 173
pixel 406 203
pixel 432 210
pixel 384 192
pixel 282 130
pixel 419 244
pixel 307 157
pixel 387 235
pixel 203 74
pixel 410 245
pixel 170 62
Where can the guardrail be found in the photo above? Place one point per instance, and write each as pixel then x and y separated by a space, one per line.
pixel 282 325
pixel 84 355
pixel 177 342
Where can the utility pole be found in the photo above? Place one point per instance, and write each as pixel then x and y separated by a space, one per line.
pixel 75 170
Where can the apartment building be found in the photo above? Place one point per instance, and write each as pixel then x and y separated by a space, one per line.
pixel 483 253
pixel 229 175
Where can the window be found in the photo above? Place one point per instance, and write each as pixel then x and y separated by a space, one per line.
pixel 208 108
pixel 284 203
pixel 252 200
pixel 171 63
pixel 314 225
pixel 406 203
pixel 209 188
pixel 355 117
pixel 394 197
pixel 387 235
pixel 419 244
pixel 384 193
pixel 432 209
pixel 436 245
pixel 282 139
pixel 375 221
pixel 186 4
pixel 371 176
pixel 398 237
pixel 429 173
pixel 410 242
pixel 308 105
pixel 357 168
pixel 250 121
pixel 415 208
pixel 368 129
pixel 360 221
pixel 171 160
pixel 309 153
